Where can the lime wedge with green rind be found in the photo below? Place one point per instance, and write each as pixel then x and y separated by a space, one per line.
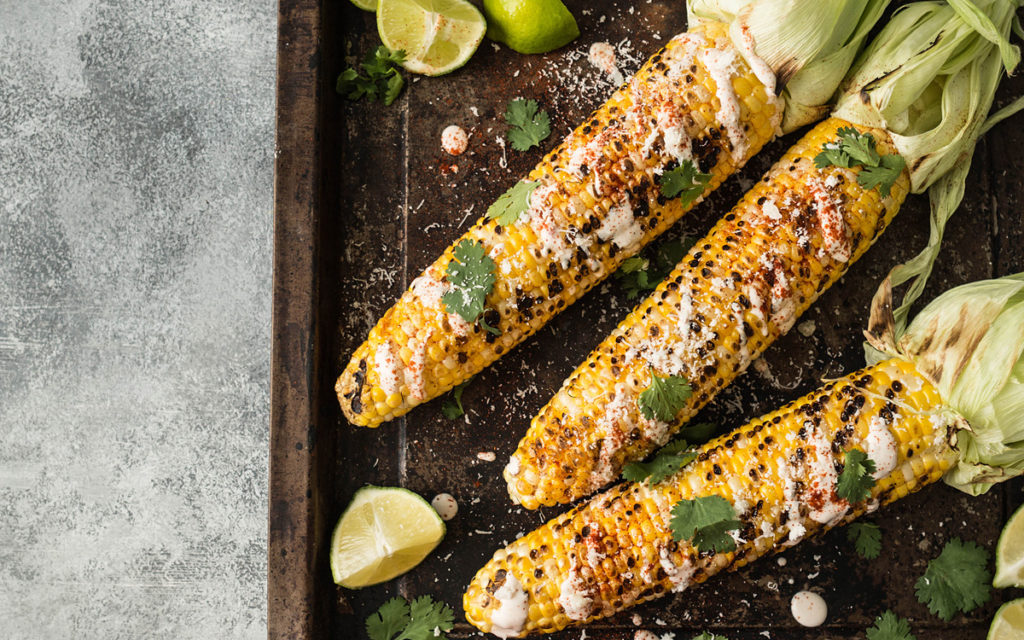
pixel 530 26
pixel 384 532
pixel 438 36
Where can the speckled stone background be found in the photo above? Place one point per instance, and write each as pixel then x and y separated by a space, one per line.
pixel 135 276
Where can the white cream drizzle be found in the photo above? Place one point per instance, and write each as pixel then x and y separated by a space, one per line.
pixel 678 575
pixel 620 225
pixel 414 372
pixel 823 476
pixel 783 306
pixel 764 74
pixel 880 447
pixel 388 366
pixel 429 289
pixel 575 598
pixel 510 617
pixel 542 218
pixel 722 64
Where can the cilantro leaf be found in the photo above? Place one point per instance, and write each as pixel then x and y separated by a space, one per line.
pixel 669 459
pixel 698 433
pixel 706 521
pixel 957 580
pixel 859 146
pixel 882 176
pixel 452 406
pixel 529 124
pixel 663 399
pixel 638 274
pixel 511 204
pixel 426 616
pixel 390 618
pixel 708 636
pixel 889 626
pixel 866 538
pixel 855 148
pixel 684 181
pixel 855 481
pixel 471 274
pixel 382 80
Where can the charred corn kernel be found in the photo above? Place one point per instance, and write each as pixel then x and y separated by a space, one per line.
pixel 779 473
pixel 742 286
pixel 597 202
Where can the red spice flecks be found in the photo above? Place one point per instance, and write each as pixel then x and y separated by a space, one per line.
pixel 834 231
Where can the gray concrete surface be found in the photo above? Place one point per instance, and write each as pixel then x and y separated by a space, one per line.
pixel 135 269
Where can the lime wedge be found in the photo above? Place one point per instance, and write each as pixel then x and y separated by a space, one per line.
pixel 1008 623
pixel 530 26
pixel 366 5
pixel 384 532
pixel 1010 553
pixel 438 36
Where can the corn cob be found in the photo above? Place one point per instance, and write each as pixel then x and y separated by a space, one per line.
pixel 779 473
pixel 597 203
pixel 789 238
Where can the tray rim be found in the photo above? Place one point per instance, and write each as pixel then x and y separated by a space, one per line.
pixel 291 522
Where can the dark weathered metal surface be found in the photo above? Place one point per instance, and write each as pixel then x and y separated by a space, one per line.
pixel 358 221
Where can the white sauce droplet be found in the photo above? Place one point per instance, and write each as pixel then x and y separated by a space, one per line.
pixel 454 140
pixel 445 506
pixel 809 609
pixel 602 56
pixel 510 616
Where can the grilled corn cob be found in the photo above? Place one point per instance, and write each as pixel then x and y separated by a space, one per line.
pixel 596 204
pixel 815 212
pixel 778 472
pixel 742 286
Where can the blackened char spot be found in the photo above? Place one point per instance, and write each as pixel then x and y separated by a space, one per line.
pixel 706 153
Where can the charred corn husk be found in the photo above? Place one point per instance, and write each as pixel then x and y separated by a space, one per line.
pixel 597 202
pixel 743 285
pixel 778 472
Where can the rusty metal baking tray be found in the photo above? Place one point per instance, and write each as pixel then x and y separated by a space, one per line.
pixel 365 198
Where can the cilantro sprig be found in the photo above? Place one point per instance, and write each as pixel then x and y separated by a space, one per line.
pixel 684 181
pixel 866 538
pixel 671 458
pixel 854 148
pixel 511 204
pixel 382 80
pixel 855 481
pixel 638 274
pixel 708 636
pixel 452 405
pixel 471 274
pixel 398 619
pixel 890 626
pixel 663 399
pixel 706 522
pixel 529 124
pixel 957 580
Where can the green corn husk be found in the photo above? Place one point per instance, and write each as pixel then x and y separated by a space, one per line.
pixel 932 88
pixel 809 44
pixel 969 342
